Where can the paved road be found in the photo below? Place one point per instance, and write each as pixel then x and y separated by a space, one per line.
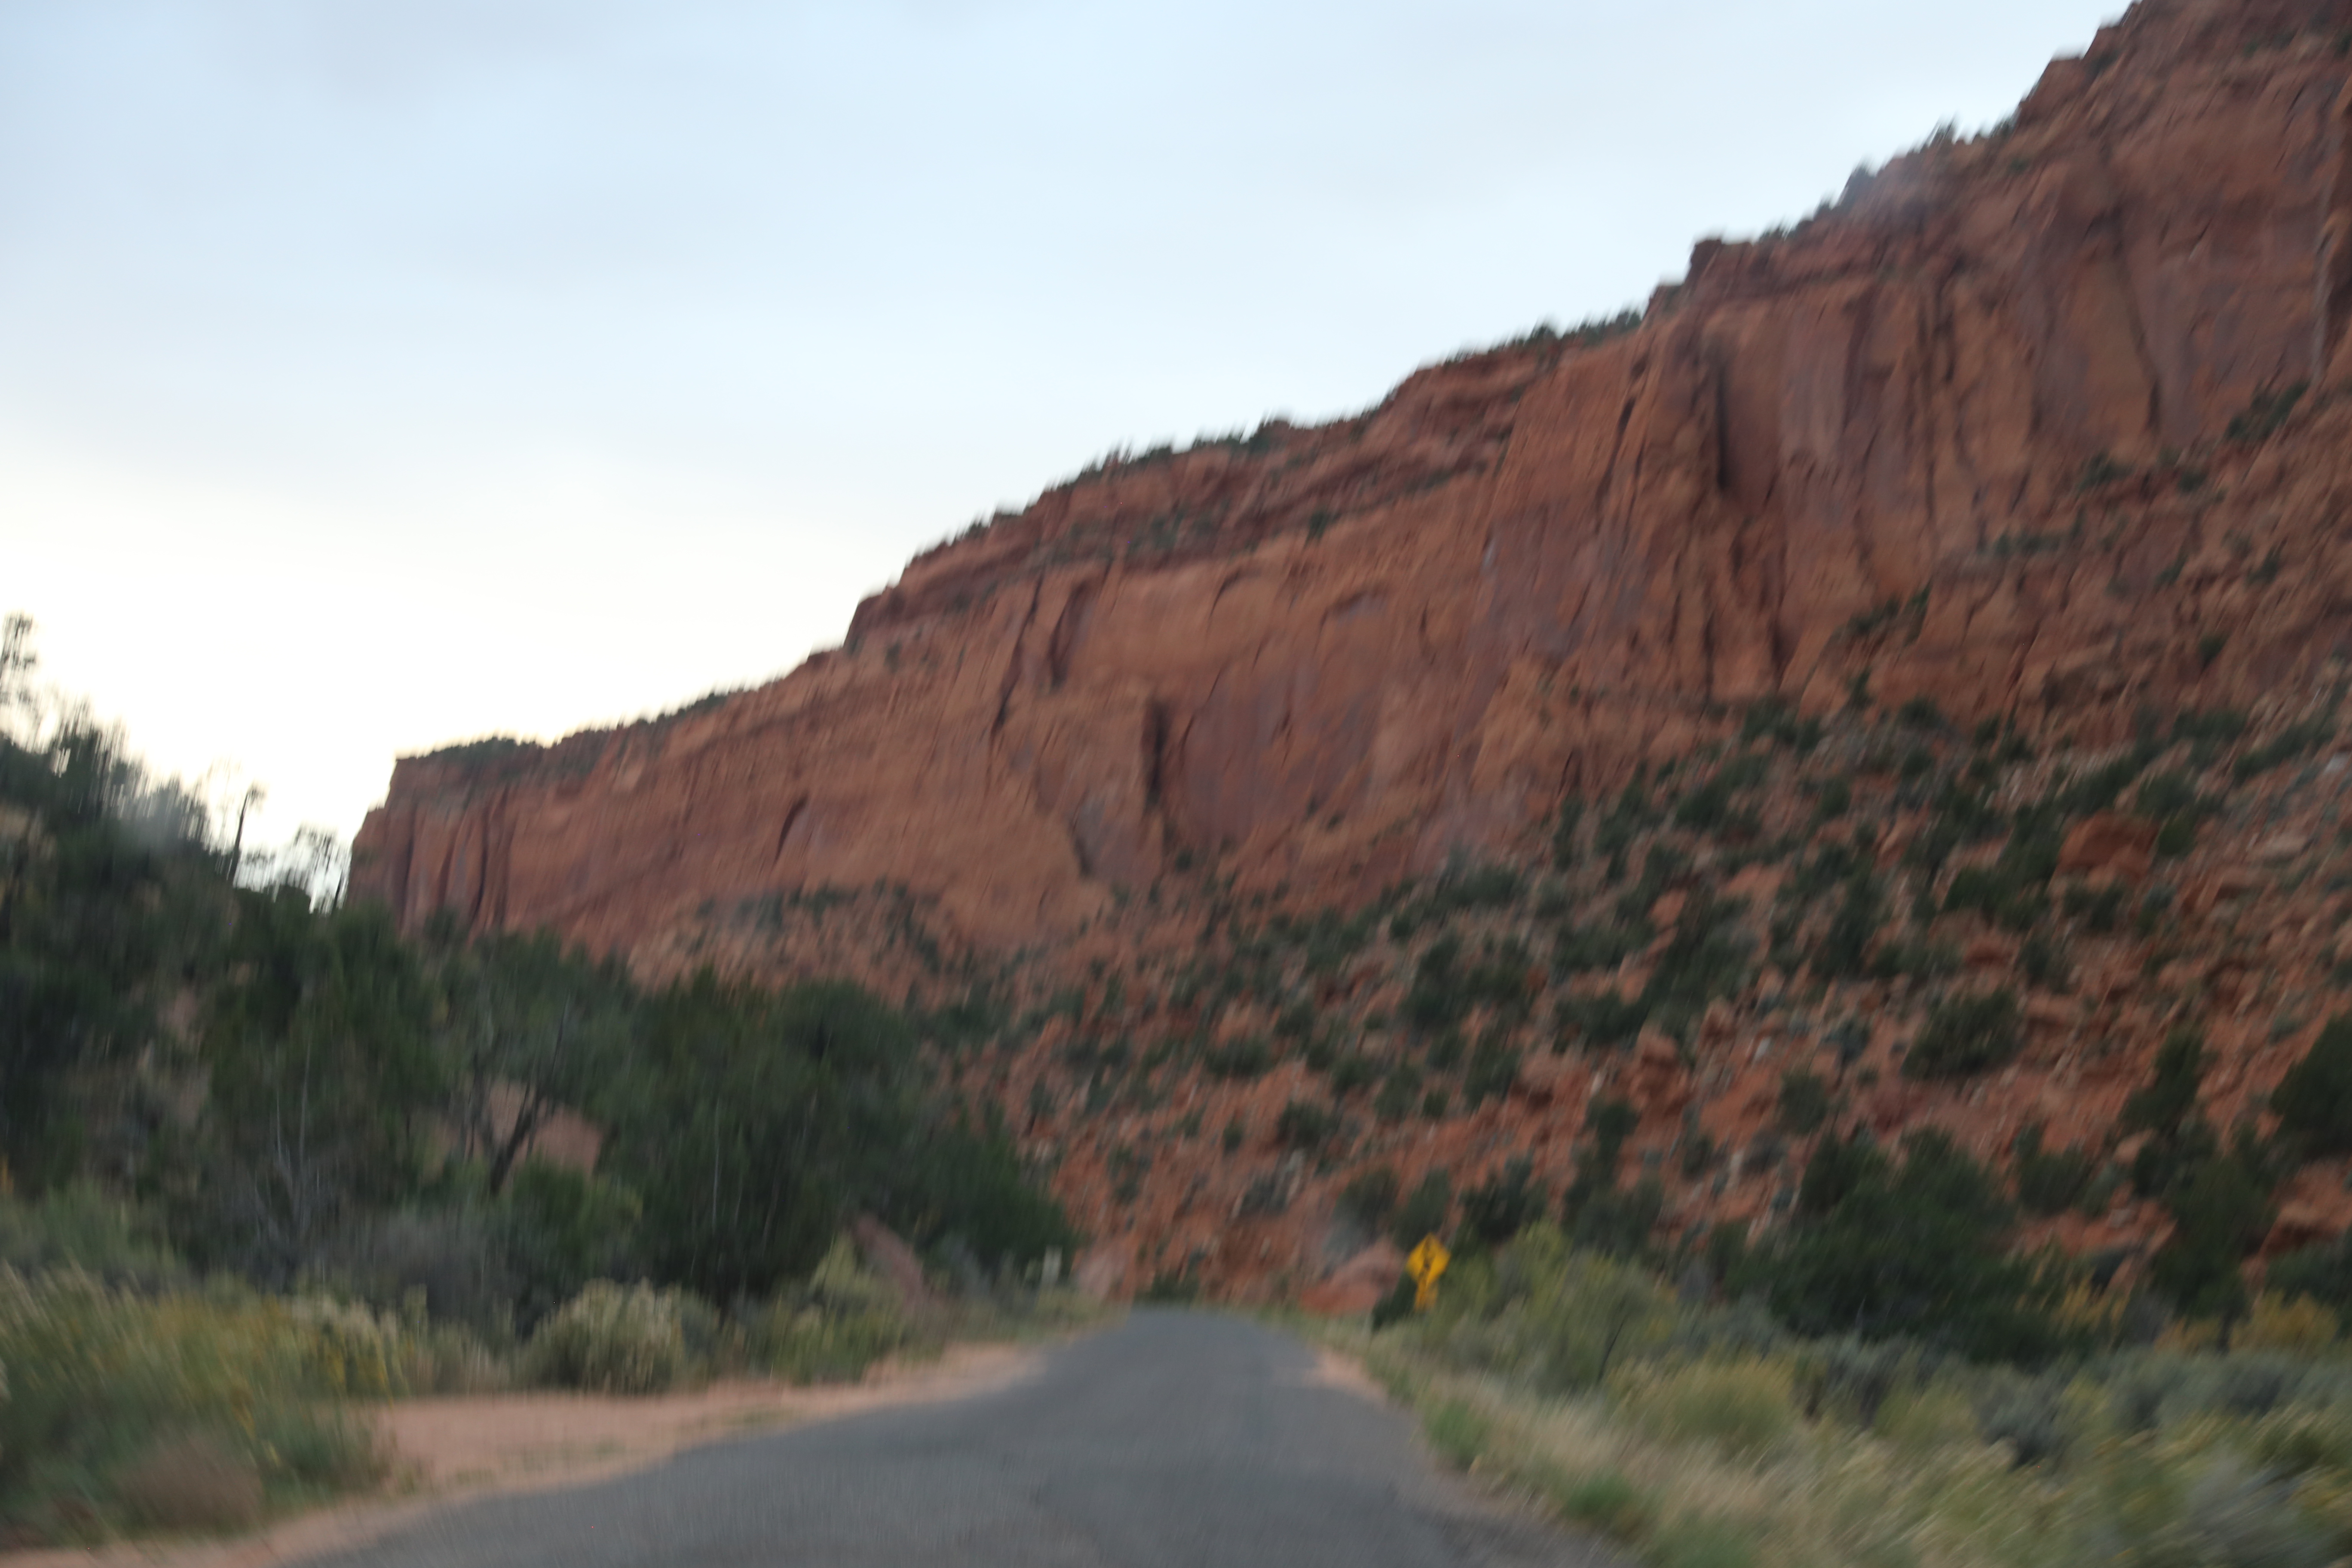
pixel 1176 1439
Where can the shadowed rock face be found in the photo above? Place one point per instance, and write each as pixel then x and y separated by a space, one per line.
pixel 1331 656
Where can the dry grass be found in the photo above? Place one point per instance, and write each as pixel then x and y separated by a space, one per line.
pixel 1707 1465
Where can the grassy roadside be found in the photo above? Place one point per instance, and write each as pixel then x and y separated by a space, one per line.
pixel 1706 1446
pixel 164 1407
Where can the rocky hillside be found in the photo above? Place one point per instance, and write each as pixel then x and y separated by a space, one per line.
pixel 1892 680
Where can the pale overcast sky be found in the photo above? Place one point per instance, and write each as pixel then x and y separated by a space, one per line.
pixel 375 373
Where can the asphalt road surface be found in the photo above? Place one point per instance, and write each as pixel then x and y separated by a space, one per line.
pixel 1175 1439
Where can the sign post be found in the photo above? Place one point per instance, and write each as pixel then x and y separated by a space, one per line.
pixel 1426 1263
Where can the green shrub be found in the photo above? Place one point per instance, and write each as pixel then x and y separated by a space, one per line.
pixel 1922 713
pixel 81 1227
pixel 1995 892
pixel 1601 1020
pixel 1246 1057
pixel 120 1404
pixel 1458 1433
pixel 1965 1035
pixel 1745 1408
pixel 1563 833
pixel 2271 406
pixel 1504 1205
pixel 2176 837
pixel 1425 1211
pixel 1605 1501
pixel 1843 951
pixel 1493 1068
pixel 1918 1249
pixel 1804 1102
pixel 2322 1272
pixel 2220 1216
pixel 1399 1094
pixel 613 1339
pixel 2043 960
pixel 2313 1101
pixel 1305 1126
pixel 1581 949
pixel 2049 1182
pixel 1369 1197
pixel 1477 887
pixel 2294 741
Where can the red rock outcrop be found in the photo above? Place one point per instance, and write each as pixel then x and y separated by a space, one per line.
pixel 2052 426
pixel 1330 657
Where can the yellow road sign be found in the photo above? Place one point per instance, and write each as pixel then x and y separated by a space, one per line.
pixel 1426 1262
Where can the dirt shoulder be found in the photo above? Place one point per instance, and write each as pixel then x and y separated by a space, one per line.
pixel 443 1450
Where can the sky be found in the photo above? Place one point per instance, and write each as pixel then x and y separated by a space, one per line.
pixel 380 373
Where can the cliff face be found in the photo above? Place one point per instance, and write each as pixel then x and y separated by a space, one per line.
pixel 1332 657
pixel 2051 429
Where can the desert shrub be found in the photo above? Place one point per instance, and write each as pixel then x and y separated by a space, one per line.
pixel 2166 1108
pixel 1492 1067
pixel 2322 1272
pixel 1920 959
pixel 2042 959
pixel 1425 1211
pixel 1601 1020
pixel 1305 1126
pixel 2220 1214
pixel 1851 1378
pixel 82 1229
pixel 1458 1432
pixel 2026 1418
pixel 2313 1101
pixel 2176 837
pixel 842 1321
pixel 101 1384
pixel 453 1261
pixel 1246 1058
pixel 1805 1102
pixel 1706 958
pixel 1505 1203
pixel 1745 1408
pixel 2269 407
pixel 1605 1501
pixel 1965 1035
pixel 1399 1094
pixel 613 1339
pixel 2294 741
pixel 2099 788
pixel 1572 1318
pixel 1477 887
pixel 1564 829
pixel 1353 1070
pixel 2100 910
pixel 2050 1181
pixel 1916 1249
pixel 2295 1324
pixel 1922 713
pixel 1369 1197
pixel 1843 951
pixel 1579 949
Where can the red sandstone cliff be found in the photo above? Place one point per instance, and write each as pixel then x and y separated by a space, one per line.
pixel 2054 425
pixel 1333 656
